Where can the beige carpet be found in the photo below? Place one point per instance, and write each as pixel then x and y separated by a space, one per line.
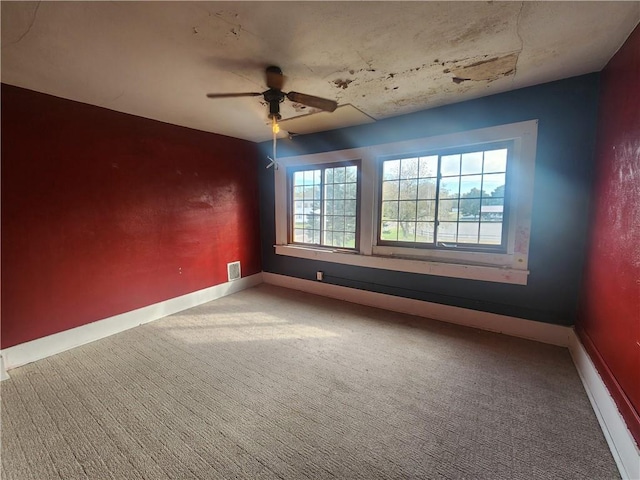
pixel 272 383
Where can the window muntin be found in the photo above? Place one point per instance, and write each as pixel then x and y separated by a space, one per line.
pixel 448 199
pixel 324 205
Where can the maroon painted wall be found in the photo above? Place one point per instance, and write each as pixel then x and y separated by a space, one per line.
pixel 609 321
pixel 104 212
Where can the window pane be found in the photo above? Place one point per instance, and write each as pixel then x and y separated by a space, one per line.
pixel 428 166
pixel 408 189
pixel 298 193
pixel 407 211
pixel 469 208
pixel 424 232
pixel 468 232
pixel 338 207
pixel 328 192
pixel 350 207
pixel 472 162
pixel 351 174
pixel 409 168
pixel 313 221
pixel 495 160
pixel 406 232
pixel 338 175
pixel 389 210
pixel 450 165
pixel 491 233
pixel 448 210
pixel 426 210
pixel 316 236
pixel 337 223
pixel 470 186
pixel 298 178
pixel 338 190
pixel 447 232
pixel 308 177
pixel 328 238
pixel 450 187
pixel 494 184
pixel 351 190
pixel 338 239
pixel 391 170
pixel 350 224
pixel 298 235
pixel 389 231
pixel 328 175
pixel 316 192
pixel 349 241
pixel 328 207
pixel 492 209
pixel 390 190
pixel 427 188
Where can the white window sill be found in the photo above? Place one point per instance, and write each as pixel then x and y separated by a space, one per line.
pixel 487 273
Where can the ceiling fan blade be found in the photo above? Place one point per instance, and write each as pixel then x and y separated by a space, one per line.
pixel 311 101
pixel 232 95
pixel 275 78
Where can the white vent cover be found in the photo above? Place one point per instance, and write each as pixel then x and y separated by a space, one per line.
pixel 233 271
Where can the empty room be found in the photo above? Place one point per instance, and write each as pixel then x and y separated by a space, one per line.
pixel 313 240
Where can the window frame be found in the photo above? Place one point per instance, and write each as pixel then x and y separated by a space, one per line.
pixel 501 248
pixel 508 267
pixel 290 171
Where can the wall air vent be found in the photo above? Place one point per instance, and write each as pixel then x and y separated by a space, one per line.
pixel 233 271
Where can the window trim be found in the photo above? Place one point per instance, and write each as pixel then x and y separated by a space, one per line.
pixel 508 267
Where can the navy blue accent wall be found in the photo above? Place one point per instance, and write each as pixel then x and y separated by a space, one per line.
pixel 567 114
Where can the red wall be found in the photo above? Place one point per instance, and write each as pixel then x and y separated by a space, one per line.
pixel 104 212
pixel 609 321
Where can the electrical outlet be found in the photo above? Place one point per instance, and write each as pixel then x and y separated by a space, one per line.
pixel 319 276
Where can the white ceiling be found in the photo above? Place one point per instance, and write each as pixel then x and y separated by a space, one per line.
pixel 159 59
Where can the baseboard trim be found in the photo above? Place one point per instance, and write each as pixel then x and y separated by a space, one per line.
pixel 620 440
pixel 517 327
pixel 28 352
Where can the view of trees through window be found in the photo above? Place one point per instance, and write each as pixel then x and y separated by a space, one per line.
pixel 324 206
pixel 456 199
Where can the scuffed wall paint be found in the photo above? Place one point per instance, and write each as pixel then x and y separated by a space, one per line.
pixel 104 212
pixel 609 318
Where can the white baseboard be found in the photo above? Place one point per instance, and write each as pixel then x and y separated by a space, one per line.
pixel 28 352
pixel 618 436
pixel 517 327
pixel 621 443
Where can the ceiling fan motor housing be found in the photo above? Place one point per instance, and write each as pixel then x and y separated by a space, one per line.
pixel 274 97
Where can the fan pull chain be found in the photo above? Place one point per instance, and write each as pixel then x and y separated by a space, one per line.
pixel 275 128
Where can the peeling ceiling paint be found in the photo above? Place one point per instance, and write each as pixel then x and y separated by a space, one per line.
pixel 159 59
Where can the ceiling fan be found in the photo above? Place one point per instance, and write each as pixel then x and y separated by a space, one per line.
pixel 274 96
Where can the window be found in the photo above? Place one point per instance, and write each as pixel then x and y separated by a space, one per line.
pixel 450 199
pixel 323 205
pixel 456 205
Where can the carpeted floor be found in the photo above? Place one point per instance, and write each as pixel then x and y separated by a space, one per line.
pixel 273 383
